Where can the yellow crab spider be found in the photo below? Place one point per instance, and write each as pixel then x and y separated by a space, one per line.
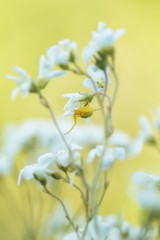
pixel 83 112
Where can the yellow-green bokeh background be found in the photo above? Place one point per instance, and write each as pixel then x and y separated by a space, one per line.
pixel 29 27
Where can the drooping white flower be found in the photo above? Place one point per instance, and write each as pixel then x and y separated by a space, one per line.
pixel 102 40
pixel 75 101
pixel 38 169
pixel 147 180
pixel 46 72
pixel 109 156
pixel 146 132
pixel 24 82
pixel 98 77
pixel 62 53
pixel 63 158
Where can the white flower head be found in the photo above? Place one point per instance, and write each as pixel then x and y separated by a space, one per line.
pixel 98 77
pixel 38 169
pixel 24 82
pixel 63 158
pixel 147 180
pixel 62 53
pixel 45 70
pixel 109 155
pixel 102 40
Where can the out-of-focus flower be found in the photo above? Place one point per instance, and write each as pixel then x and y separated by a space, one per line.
pixel 63 53
pixel 103 41
pixel 110 154
pixel 150 197
pixel 5 165
pixel 96 230
pixel 37 170
pixel 46 72
pixel 98 77
pixel 94 130
pixel 150 200
pixel 146 133
pixel 102 230
pixel 24 82
pixel 63 158
pixel 133 147
pixel 147 180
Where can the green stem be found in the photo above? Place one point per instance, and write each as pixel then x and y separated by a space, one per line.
pixel 112 67
pixel 64 208
pixel 47 105
pixel 104 190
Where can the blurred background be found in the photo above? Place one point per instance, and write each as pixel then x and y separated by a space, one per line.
pixel 29 28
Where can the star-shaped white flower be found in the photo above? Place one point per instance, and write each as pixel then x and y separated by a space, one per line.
pixel 102 40
pixel 24 82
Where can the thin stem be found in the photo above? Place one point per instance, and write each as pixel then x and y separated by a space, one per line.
pixel 105 86
pixel 112 67
pixel 47 105
pixel 104 190
pixel 75 186
pixel 64 208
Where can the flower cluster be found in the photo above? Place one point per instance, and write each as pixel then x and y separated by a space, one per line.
pixel 83 158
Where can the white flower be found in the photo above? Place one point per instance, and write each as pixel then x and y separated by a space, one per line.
pixel 45 70
pixel 75 101
pixel 145 179
pixel 109 156
pixel 150 199
pixel 96 230
pixel 24 82
pixel 98 77
pixel 146 133
pixel 132 146
pixel 63 158
pixel 39 169
pixel 62 53
pixel 5 165
pixel 102 40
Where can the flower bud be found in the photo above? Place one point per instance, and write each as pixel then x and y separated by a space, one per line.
pixel 40 176
pixel 55 175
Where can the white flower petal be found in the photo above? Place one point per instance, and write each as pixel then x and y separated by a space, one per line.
pixel 14 93
pixel 46 159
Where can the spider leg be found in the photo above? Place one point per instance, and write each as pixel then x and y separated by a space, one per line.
pixel 75 122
